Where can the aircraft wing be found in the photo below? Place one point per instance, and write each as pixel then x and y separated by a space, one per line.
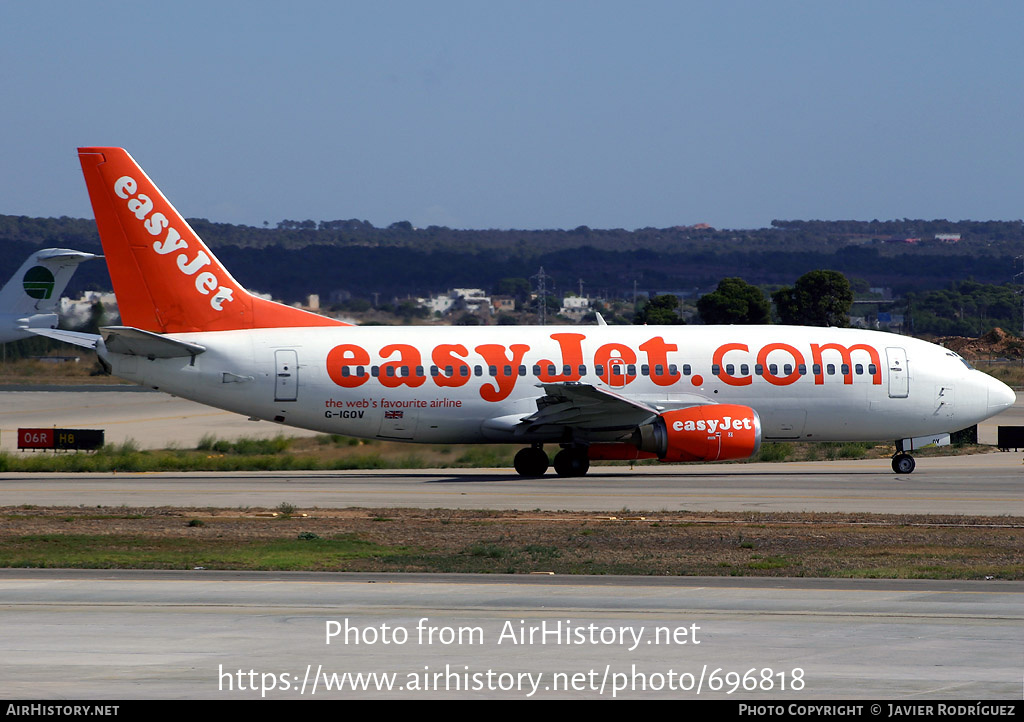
pixel 586 406
pixel 594 408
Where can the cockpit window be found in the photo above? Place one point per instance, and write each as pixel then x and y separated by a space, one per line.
pixel 958 356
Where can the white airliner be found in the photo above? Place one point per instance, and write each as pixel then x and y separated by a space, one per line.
pixel 29 300
pixel 675 393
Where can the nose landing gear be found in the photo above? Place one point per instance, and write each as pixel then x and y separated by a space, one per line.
pixel 903 463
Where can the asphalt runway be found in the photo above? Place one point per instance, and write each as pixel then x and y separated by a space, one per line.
pixel 987 484
pixel 208 635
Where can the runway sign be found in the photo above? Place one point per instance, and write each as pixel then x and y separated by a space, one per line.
pixel 64 439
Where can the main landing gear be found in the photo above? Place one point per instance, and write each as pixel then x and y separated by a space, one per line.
pixel 531 462
pixel 570 461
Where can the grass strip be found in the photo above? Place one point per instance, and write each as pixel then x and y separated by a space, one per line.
pixel 410 540
pixel 334 452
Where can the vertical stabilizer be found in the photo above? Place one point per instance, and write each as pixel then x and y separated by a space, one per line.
pixel 39 283
pixel 165 278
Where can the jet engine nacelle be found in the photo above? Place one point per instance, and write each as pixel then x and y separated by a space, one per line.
pixel 702 433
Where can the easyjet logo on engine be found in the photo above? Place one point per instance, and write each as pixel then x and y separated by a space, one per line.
pixel 141 206
pixel 726 423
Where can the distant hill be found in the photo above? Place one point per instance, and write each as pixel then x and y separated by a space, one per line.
pixel 354 257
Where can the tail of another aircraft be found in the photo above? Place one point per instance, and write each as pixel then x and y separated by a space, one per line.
pixel 165 278
pixel 38 284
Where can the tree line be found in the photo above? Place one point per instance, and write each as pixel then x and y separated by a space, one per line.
pixel 818 298
pixel 354 259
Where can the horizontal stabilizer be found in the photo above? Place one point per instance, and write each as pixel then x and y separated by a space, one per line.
pixel 136 342
pixel 75 338
pixel 65 254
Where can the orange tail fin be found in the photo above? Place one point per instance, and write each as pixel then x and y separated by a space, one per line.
pixel 165 278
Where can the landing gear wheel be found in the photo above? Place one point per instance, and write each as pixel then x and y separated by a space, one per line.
pixel 903 463
pixel 531 462
pixel 572 462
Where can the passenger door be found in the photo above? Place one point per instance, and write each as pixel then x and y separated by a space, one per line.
pixel 899 379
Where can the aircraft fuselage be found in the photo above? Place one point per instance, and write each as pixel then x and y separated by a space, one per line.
pixel 450 384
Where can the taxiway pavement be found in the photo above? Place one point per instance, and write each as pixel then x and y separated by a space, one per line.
pixel 208 635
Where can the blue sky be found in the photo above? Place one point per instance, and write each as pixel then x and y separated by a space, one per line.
pixel 522 114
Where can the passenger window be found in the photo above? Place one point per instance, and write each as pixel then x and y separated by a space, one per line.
pixel 551 369
pixel 405 371
pixel 802 368
pixel 567 370
pixel 599 369
pixel 344 371
pixel 419 371
pixel 715 369
pixel 631 370
pixel 375 371
pixel 536 369
pixel 478 371
pixel 872 369
pixel 759 370
pixel 435 371
pixel 448 371
pixel 522 371
pixel 787 369
pixel 659 370
pixel 360 371
pixel 846 369
pixel 774 368
pixel 859 368
pixel 390 371
pixel 492 370
pixel 508 370
pixel 816 368
pixel 831 369
pixel 464 370
pixel 744 370
pixel 645 370
pixel 582 370
pixel 686 369
pixel 730 369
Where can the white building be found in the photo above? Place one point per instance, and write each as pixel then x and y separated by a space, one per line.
pixel 575 307
pixel 78 311
pixel 468 299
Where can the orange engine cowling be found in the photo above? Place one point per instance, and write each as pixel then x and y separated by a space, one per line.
pixel 702 433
